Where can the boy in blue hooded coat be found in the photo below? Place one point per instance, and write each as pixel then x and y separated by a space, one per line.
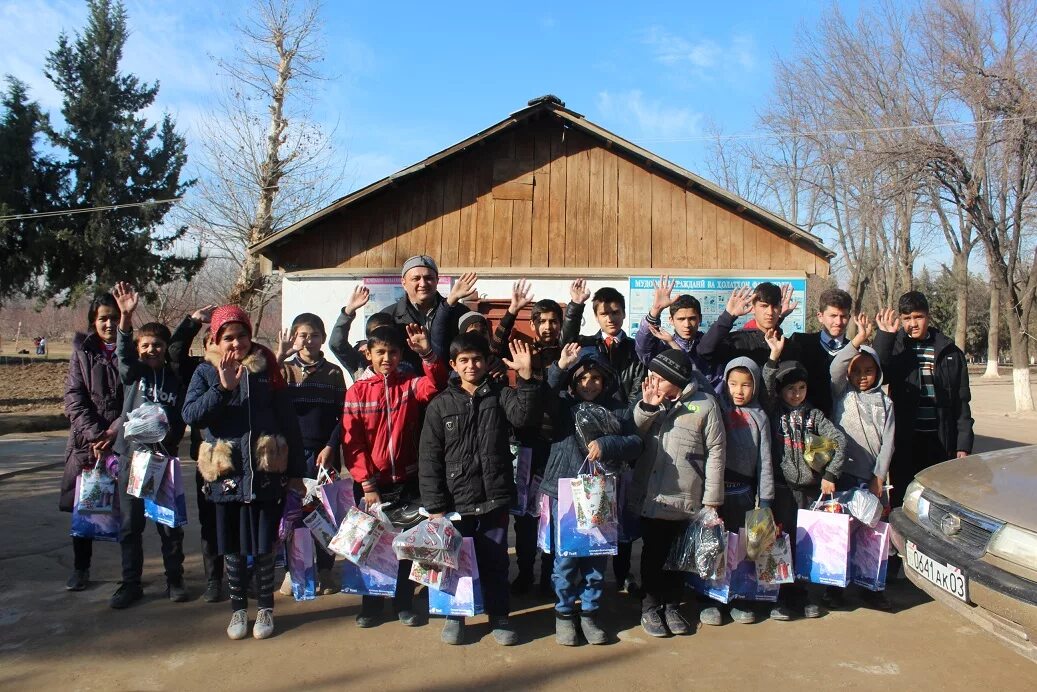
pixel 582 375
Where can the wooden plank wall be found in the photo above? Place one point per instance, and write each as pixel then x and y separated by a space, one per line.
pixel 542 195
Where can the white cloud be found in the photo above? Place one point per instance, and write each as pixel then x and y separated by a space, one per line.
pixel 703 56
pixel 650 119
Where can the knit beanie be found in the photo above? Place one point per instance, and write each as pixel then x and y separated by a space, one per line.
pixel 468 318
pixel 419 261
pixel 226 314
pixel 674 366
pixel 790 372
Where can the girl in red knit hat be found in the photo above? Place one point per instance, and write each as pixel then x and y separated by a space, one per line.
pixel 250 451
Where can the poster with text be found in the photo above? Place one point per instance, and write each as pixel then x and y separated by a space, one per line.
pixel 712 293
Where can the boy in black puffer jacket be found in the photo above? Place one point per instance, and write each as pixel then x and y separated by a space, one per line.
pixel 582 375
pixel 464 464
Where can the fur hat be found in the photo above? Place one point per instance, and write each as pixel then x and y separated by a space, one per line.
pixel 673 365
pixel 419 261
pixel 226 314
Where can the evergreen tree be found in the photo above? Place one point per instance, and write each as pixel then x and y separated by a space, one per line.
pixel 114 156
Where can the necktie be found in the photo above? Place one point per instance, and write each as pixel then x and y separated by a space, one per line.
pixel 609 340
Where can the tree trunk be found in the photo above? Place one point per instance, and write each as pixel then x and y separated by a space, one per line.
pixel 993 332
pixel 960 270
pixel 1021 372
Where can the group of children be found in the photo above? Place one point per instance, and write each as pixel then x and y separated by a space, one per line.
pixel 430 420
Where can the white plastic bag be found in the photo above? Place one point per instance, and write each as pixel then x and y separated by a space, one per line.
pixel 147 424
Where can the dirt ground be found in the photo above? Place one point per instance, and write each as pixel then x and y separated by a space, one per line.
pixel 37 387
pixel 51 639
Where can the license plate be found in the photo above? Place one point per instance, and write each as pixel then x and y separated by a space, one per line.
pixel 945 576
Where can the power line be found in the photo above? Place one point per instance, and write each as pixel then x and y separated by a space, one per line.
pixel 867 130
pixel 86 210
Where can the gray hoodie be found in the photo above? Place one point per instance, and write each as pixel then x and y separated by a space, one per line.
pixel 748 432
pixel 865 417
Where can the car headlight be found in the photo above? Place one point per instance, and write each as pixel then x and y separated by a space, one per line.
pixel 911 497
pixel 1015 545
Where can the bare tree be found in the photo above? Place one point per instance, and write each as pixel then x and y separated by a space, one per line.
pixel 266 165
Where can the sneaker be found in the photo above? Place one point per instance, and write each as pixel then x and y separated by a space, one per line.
pixel 876 600
pixel 213 591
pixel 264 626
pixel 238 627
pixel 370 611
pixel 710 616
pixel 126 595
pixel 591 631
pixel 812 610
pixel 286 585
pixel 522 584
pixel 652 623
pixel 453 631
pixel 781 613
pixel 565 629
pixel 743 617
pixel 503 632
pixel 409 618
pixel 675 622
pixel 78 581
pixel 326 585
pixel 175 590
pixel 834 598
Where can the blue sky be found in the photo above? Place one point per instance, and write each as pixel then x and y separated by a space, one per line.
pixel 409 79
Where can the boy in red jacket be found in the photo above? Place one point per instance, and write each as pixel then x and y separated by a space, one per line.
pixel 381 426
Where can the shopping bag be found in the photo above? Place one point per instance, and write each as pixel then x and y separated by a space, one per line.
pixel 702 548
pixel 147 469
pixel 169 507
pixel 760 531
pixel 357 536
pixel 318 520
pixel 146 424
pixel 337 498
pixel 465 599
pixel 103 526
pixel 572 541
pixel 523 465
pixel 739 579
pixel 864 507
pixel 869 556
pixel 433 541
pixel 774 566
pixel 823 546
pixel 302 565
pixel 377 576
pixel 533 501
pixel 291 517
pixel 594 497
pixel 544 523
pixel 96 491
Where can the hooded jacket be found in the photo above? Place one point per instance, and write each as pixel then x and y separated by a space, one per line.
pixel 748 434
pixel 381 423
pixel 464 458
pixel 685 450
pixel 866 417
pixel 789 428
pixel 251 443
pixel 93 404
pixel 567 455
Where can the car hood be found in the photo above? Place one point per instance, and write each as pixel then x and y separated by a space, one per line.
pixel 1001 484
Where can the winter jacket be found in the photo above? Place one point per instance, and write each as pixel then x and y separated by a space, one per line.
pixel 720 345
pixel 465 460
pixel 381 423
pixel 143 384
pixel 567 453
pixel 748 435
pixel 441 323
pixel 317 391
pixel 806 347
pixel 251 444
pixel 338 343
pixel 622 356
pixel 648 345
pixel 950 372
pixel 789 428
pixel 866 418
pixel 93 404
pixel 685 450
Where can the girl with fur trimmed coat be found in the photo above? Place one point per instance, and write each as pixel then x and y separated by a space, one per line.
pixel 251 448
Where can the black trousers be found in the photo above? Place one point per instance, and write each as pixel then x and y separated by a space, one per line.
pixel 526 549
pixel 912 454
pixel 82 552
pixel 662 587
pixel 131 538
pixel 211 557
pixel 788 500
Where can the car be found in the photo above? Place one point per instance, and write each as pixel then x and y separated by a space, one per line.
pixel 967 534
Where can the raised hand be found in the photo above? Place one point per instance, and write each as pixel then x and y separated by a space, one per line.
pixel 521 296
pixel 788 306
pixel 578 291
pixel 570 353
pixel 463 288
pixel 417 339
pixel 650 393
pixel 204 314
pixel 663 336
pixel 521 359
pixel 887 320
pixel 126 298
pixel 776 340
pixel 361 294
pixel 230 372
pixel 663 297
pixel 865 330
pixel 286 347
pixel 741 302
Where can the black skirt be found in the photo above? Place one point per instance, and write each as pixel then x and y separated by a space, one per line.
pixel 248 529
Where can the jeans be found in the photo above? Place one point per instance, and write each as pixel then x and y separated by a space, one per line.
pixel 662 587
pixel 490 534
pixel 579 578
